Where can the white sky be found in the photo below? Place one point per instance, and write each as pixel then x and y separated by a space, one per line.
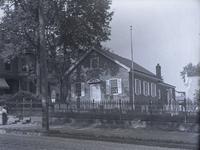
pixel 164 31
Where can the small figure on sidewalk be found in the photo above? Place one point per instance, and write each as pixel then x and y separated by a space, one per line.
pixel 4 116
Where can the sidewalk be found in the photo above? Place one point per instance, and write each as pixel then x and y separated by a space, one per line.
pixel 92 132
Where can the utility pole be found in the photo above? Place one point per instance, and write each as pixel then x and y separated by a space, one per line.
pixel 132 73
pixel 43 68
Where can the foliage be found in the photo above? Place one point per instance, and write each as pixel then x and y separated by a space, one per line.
pixel 190 70
pixel 20 95
pixel 197 97
pixel 72 27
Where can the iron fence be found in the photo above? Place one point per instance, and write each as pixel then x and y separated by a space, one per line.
pixel 119 106
pixel 85 106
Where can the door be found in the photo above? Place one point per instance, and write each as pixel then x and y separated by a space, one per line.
pixel 95 92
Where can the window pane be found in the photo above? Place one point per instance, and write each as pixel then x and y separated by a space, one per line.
pixel 137 86
pixel 145 88
pixel 114 88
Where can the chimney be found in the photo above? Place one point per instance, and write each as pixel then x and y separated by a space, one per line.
pixel 158 71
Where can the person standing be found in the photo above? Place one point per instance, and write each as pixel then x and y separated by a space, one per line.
pixel 4 116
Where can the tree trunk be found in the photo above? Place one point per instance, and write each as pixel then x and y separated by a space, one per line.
pixel 37 68
pixel 43 68
pixel 61 90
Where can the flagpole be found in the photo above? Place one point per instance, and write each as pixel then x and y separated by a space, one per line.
pixel 132 68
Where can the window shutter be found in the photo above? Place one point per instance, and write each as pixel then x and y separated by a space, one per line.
pixel 82 89
pixel 119 85
pixel 107 87
pixel 73 90
pixel 136 86
pixel 143 88
pixel 159 94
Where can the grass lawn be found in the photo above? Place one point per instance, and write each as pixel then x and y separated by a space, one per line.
pixel 98 130
pixel 139 133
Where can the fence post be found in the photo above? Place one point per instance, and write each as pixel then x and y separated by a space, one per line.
pixel 22 108
pixel 120 107
pixel 151 112
pixel 93 104
pixel 78 104
pixel 31 107
pixel 185 105
pixel 120 110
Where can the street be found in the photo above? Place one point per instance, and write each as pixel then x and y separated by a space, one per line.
pixel 24 142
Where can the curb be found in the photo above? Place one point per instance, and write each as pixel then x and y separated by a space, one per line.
pixel 115 139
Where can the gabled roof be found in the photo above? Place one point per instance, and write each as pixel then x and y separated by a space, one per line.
pixel 124 62
pixel 127 62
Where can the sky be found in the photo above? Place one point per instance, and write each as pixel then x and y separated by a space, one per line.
pixel 164 31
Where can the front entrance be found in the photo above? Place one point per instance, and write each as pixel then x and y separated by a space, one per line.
pixel 95 92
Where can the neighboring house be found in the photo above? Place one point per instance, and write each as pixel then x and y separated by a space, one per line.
pixel 19 74
pixel 192 84
pixel 105 76
pixel 15 75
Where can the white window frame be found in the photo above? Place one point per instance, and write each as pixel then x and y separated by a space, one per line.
pixel 119 86
pixel 138 87
pixel 153 89
pixel 144 88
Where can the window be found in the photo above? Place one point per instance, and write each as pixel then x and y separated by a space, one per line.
pixel 113 86
pixel 137 86
pixel 159 94
pixel 146 88
pixel 8 66
pixel 153 89
pixel 94 62
pixel 25 68
pixel 169 95
pixel 80 89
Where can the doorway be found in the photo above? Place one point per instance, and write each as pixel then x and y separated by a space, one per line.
pixel 95 92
